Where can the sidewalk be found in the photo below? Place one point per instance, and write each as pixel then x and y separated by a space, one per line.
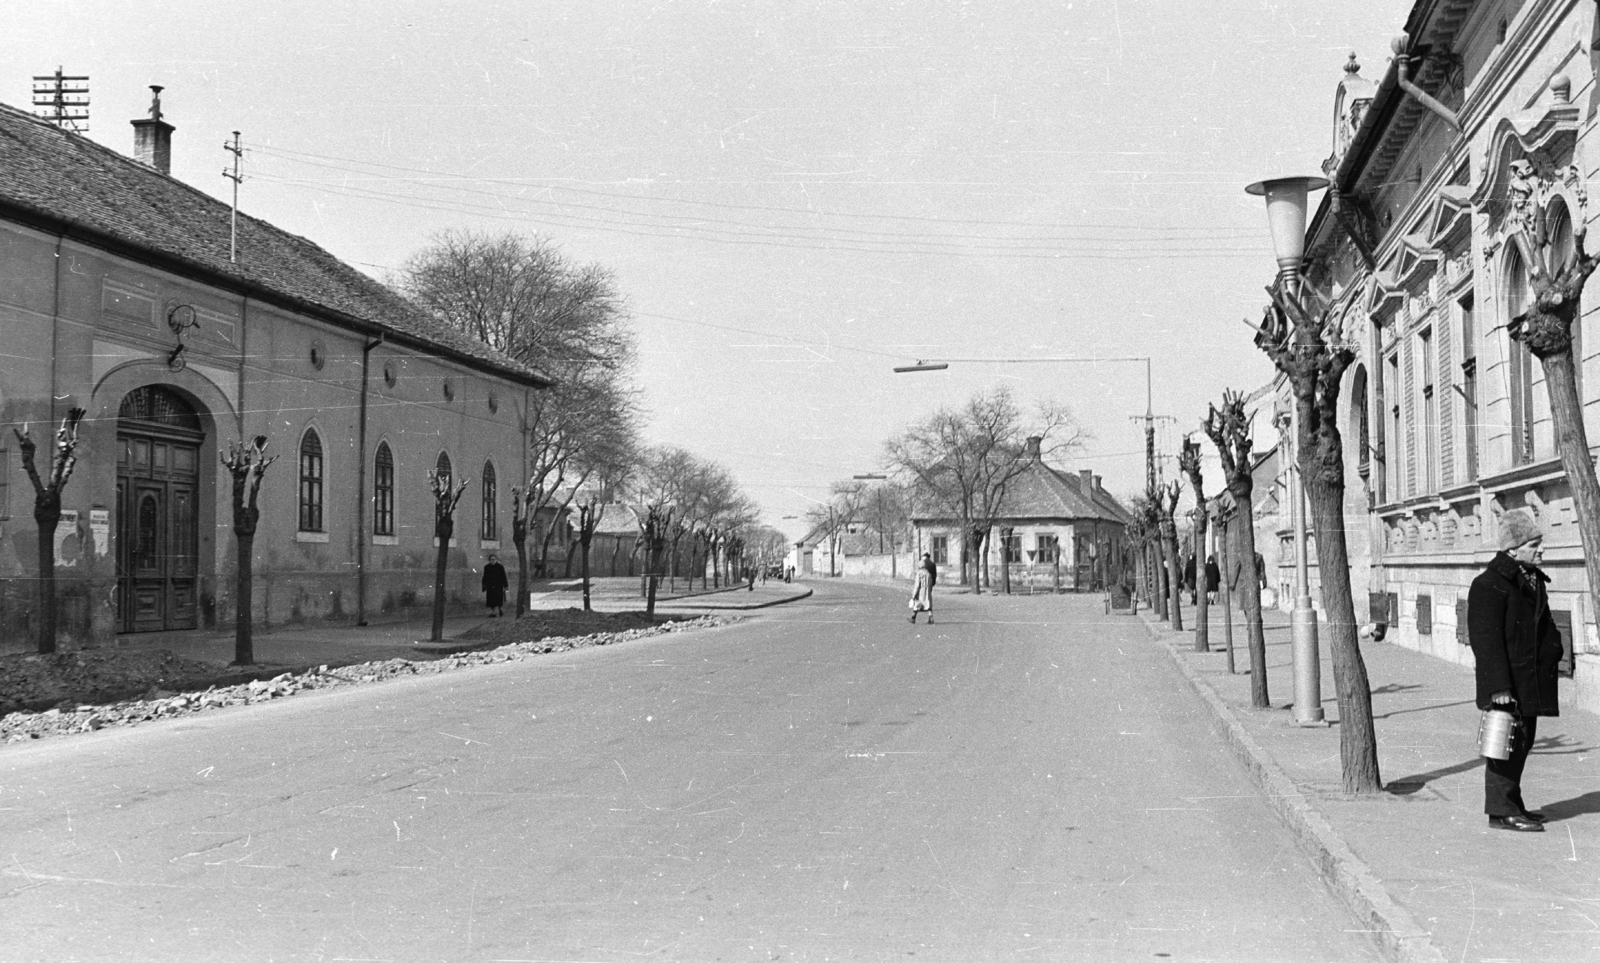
pixel 311 644
pixel 1419 861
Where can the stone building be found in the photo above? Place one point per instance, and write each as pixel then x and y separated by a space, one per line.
pixel 1446 419
pixel 124 294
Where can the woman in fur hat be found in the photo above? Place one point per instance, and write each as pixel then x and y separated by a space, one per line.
pixel 1517 648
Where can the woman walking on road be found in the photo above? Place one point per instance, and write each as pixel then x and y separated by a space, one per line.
pixel 1517 648
pixel 922 595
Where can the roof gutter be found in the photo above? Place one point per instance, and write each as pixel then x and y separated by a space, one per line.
pixel 73 228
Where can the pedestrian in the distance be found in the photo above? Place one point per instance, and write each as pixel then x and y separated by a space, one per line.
pixel 1517 650
pixel 1188 577
pixel 494 587
pixel 1213 578
pixel 922 593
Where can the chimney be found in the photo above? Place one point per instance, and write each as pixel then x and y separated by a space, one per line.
pixel 1097 483
pixel 152 137
pixel 1032 451
pixel 1087 478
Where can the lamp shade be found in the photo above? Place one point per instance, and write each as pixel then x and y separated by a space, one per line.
pixel 1286 215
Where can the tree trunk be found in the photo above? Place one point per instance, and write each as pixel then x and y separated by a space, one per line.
pixel 1227 592
pixel 1158 552
pixel 1572 444
pixel 1202 604
pixel 243 641
pixel 441 530
pixel 585 542
pixel 1248 582
pixel 1358 743
pixel 519 538
pixel 47 517
pixel 1174 574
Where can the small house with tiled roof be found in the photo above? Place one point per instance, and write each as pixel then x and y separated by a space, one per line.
pixel 129 294
pixel 1057 530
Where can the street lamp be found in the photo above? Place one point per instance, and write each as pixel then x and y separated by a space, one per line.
pixel 1286 215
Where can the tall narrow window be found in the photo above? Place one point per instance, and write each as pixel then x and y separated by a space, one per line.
pixel 311 482
pixel 491 522
pixel 1518 299
pixel 1393 454
pixel 940 545
pixel 1012 543
pixel 383 491
pixel 1358 411
pixel 1469 384
pixel 441 469
pixel 1429 436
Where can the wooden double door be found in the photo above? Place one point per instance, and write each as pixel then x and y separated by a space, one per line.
pixel 158 481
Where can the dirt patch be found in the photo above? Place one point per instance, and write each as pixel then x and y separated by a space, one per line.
pixel 64 693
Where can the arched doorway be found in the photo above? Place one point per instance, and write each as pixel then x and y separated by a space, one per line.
pixel 158 480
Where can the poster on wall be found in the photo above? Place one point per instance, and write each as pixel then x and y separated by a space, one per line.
pixel 100 527
pixel 68 544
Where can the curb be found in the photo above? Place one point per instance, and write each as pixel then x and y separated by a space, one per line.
pixel 1399 935
pixel 747 608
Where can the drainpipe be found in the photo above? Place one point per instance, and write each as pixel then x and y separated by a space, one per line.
pixel 361 485
pixel 1403 61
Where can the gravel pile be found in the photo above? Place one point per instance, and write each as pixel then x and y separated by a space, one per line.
pixel 160 678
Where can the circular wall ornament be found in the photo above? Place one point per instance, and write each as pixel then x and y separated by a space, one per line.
pixel 319 355
pixel 390 376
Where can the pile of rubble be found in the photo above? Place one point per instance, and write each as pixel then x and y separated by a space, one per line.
pixel 161 699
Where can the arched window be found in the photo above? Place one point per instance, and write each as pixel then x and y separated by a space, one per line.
pixel 1519 297
pixel 1559 223
pixel 383 491
pixel 491 521
pixel 441 470
pixel 311 482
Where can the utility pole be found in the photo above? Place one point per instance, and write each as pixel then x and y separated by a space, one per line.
pixel 236 177
pixel 56 100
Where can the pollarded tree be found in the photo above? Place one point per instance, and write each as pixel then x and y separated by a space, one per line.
pixel 47 513
pixel 1302 334
pixel 1166 502
pixel 444 526
pixel 1551 245
pixel 247 464
pixel 590 513
pixel 1189 464
pixel 1228 428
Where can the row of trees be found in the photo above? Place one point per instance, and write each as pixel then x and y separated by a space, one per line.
pixel 959 464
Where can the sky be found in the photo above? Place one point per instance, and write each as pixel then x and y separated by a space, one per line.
pixel 794 197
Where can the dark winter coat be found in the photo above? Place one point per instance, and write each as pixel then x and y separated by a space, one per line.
pixel 1515 642
pixel 1188 573
pixel 1213 575
pixel 494 585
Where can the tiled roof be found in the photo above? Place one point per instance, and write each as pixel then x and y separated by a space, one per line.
pixel 1045 492
pixel 92 192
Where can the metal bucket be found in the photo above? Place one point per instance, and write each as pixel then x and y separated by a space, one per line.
pixel 1496 731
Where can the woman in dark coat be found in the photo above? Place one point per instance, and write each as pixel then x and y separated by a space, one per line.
pixel 494 586
pixel 1517 649
pixel 1213 578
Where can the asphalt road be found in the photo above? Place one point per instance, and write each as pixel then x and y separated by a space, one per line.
pixel 1026 780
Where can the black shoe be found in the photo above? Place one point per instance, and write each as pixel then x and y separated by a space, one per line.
pixel 1536 816
pixel 1517 824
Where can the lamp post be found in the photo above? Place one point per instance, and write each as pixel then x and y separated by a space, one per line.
pixel 1286 199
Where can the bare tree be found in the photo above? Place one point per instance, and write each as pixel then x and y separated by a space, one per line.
pixel 247 464
pixel 1229 429
pixel 523 297
pixel 837 516
pixel 1189 464
pixel 1302 334
pixel 964 460
pixel 1166 502
pixel 589 515
pixel 654 520
pixel 444 526
pixel 1558 266
pixel 47 513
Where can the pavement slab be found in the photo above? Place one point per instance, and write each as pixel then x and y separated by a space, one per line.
pixel 1420 858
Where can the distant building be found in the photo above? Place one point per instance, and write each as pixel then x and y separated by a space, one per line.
pixel 1057 530
pixel 120 297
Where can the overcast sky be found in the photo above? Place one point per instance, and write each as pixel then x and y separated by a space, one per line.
pixel 794 196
